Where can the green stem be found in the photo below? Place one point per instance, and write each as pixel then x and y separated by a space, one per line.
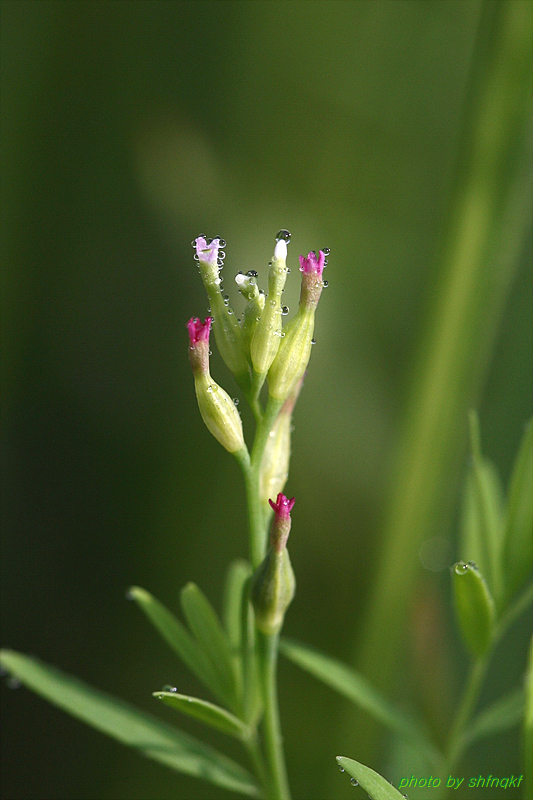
pixel 268 655
pixel 252 474
pixel 466 708
pixel 256 758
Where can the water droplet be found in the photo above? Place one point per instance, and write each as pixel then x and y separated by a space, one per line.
pixel 283 234
pixel 354 782
pixel 218 281
pixel 221 241
pixel 168 688
pixel 273 303
pixel 326 250
pixel 236 401
pixel 313 341
pixel 230 311
pixel 252 273
pixel 285 310
pixel 325 284
pixel 209 352
pixel 326 262
pixel 221 255
pixel 212 388
pixel 226 299
pixel 208 241
pixel 196 257
pixel 341 769
pixel 13 683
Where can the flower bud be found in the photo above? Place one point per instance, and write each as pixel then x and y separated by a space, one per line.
pixel 252 311
pixel 276 455
pixel 225 326
pixel 267 336
pixel 216 406
pixel 274 584
pixel 295 349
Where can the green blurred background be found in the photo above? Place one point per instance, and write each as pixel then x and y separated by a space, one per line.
pixel 128 129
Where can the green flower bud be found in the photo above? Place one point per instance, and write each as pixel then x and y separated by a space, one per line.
pixel 252 311
pixel 225 326
pixel 474 607
pixel 295 350
pixel 274 584
pixel 267 336
pixel 216 406
pixel 276 455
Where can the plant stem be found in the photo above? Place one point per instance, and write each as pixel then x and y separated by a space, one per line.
pixel 466 707
pixel 268 656
pixel 252 474
pixel 256 757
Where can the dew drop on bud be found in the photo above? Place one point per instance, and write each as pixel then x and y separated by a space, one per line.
pixel 325 284
pixel 354 782
pixel 236 401
pixel 313 341
pixel 283 234
pixel 252 273
pixel 221 241
pixel 341 769
pixel 326 250
pixel 285 310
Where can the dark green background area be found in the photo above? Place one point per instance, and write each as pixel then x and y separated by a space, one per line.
pixel 128 128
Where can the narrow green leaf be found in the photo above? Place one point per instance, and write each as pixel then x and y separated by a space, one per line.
pixel 518 547
pixel 238 573
pixel 209 713
pixel 356 688
pixel 152 737
pixel 474 607
pixel 205 625
pixel 528 727
pixel 372 782
pixel 500 716
pixel 179 639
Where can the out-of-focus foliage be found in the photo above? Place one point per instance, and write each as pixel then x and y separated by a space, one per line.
pixel 127 129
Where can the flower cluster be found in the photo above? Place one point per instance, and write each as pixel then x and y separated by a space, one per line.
pixel 256 347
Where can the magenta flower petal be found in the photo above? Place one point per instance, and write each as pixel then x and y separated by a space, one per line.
pixel 313 265
pixel 198 330
pixel 282 506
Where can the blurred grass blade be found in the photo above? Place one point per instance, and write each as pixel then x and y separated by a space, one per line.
pixel 212 715
pixel 500 716
pixel 238 573
pixel 205 625
pixel 152 737
pixel 356 688
pixel 528 726
pixel 374 784
pixel 518 554
pixel 482 523
pixel 489 223
pixel 179 639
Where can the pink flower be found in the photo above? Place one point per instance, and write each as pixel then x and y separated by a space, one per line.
pixel 198 330
pixel 313 265
pixel 282 505
pixel 207 250
pixel 281 524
